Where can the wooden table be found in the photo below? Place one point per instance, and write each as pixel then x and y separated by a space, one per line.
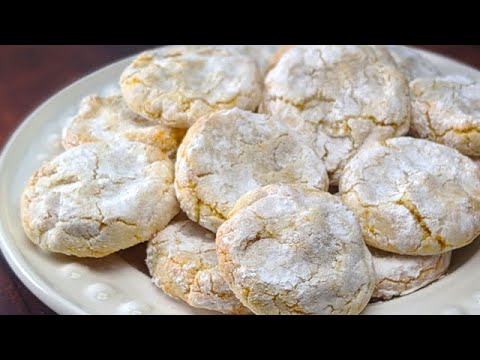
pixel 30 74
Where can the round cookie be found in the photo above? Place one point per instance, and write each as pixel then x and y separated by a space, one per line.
pixel 412 64
pixel 178 85
pixel 342 96
pixel 109 119
pixel 447 110
pixel 182 260
pixel 414 197
pixel 96 199
pixel 400 275
pixel 290 249
pixel 232 152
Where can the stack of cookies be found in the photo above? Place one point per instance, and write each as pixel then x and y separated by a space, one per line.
pixel 314 179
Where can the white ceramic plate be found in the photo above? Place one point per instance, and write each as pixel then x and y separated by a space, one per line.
pixel 118 284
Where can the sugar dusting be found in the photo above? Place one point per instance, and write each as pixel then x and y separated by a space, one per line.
pixel 54 146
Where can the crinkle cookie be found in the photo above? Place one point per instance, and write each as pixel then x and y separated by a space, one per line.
pixel 400 275
pixel 412 64
pixel 178 85
pixel 182 260
pixel 290 249
pixel 232 152
pixel 109 119
pixel 414 197
pixel 447 110
pixel 96 199
pixel 344 96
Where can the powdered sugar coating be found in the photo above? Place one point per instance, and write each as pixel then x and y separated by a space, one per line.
pixel 343 96
pixel 260 53
pixel 109 119
pixel 183 262
pixel 289 249
pixel 232 152
pixel 414 197
pixel 412 64
pixel 447 110
pixel 96 199
pixel 178 85
pixel 400 275
pixel 282 50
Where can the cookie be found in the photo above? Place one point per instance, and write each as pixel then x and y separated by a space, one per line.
pixel 342 96
pixel 412 64
pixel 400 275
pixel 96 199
pixel 290 249
pixel 447 110
pixel 109 119
pixel 232 152
pixel 414 197
pixel 182 261
pixel 176 86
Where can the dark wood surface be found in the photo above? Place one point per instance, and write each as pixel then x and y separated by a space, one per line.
pixel 30 74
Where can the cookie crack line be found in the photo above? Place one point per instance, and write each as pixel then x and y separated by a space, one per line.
pixel 438 136
pixel 187 103
pixel 412 209
pixel 467 130
pixel 199 203
pixel 301 106
pixel 341 129
pixel 422 274
pixel 420 220
pixel 411 279
pixel 354 297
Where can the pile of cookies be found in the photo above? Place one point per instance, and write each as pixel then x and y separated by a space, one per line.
pixel 260 174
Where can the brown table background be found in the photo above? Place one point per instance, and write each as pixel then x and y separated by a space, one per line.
pixel 29 74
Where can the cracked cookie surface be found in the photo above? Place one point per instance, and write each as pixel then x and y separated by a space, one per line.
pixel 182 261
pixel 400 275
pixel 412 64
pixel 447 110
pixel 260 53
pixel 109 119
pixel 413 196
pixel 290 249
pixel 232 152
pixel 178 85
pixel 96 199
pixel 342 96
